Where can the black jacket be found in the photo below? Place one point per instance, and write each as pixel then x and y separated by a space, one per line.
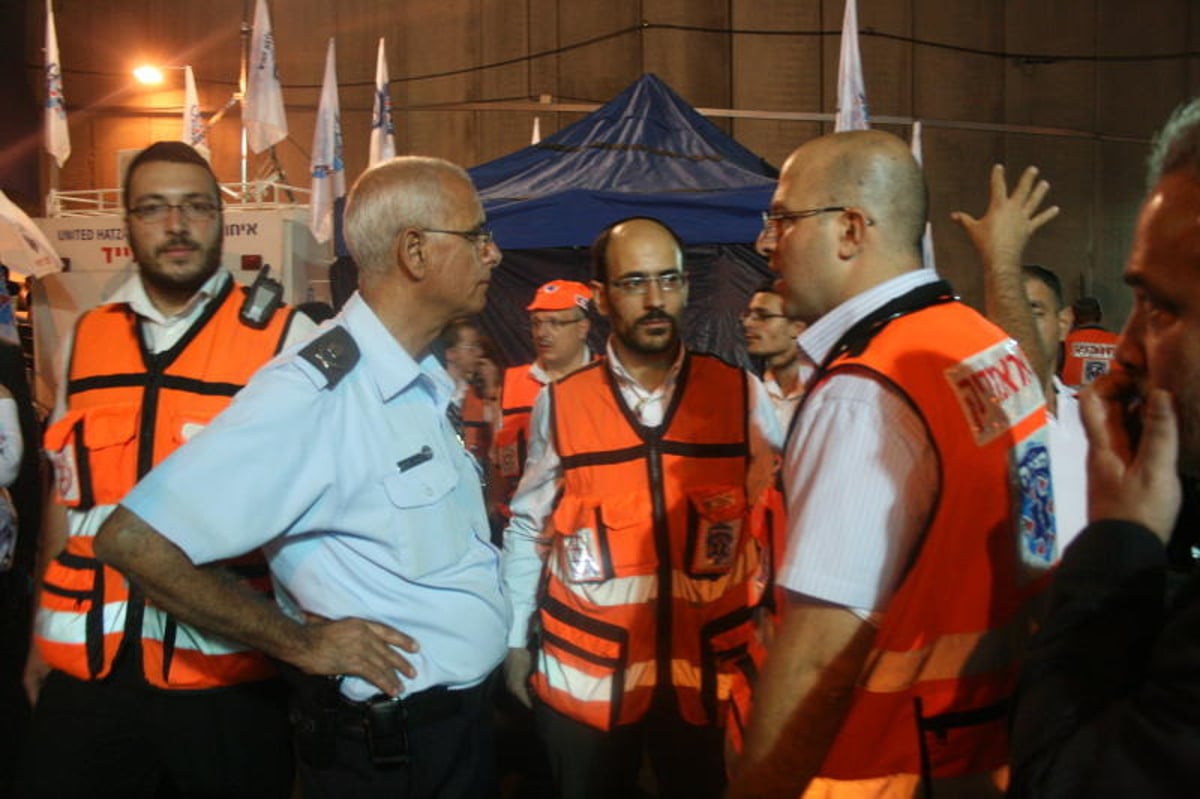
pixel 1109 697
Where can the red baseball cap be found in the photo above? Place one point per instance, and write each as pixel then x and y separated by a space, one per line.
pixel 560 295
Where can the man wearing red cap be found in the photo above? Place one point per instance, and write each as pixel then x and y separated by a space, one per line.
pixel 559 324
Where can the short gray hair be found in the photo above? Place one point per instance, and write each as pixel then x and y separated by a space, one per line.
pixel 396 194
pixel 1177 145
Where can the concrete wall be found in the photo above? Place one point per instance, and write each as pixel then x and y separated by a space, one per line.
pixel 936 60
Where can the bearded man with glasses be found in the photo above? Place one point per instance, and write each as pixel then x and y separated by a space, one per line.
pixel 634 516
pixel 127 698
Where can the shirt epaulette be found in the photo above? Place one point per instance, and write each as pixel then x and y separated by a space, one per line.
pixel 333 354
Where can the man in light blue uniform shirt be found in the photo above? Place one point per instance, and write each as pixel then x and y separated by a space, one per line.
pixel 339 460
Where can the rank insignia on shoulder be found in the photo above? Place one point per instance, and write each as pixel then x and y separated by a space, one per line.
pixel 333 353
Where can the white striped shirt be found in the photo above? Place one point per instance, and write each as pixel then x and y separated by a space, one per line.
pixel 860 473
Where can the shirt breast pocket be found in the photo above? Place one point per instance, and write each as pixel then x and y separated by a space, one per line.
pixel 431 532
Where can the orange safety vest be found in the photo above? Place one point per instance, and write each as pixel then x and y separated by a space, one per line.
pixel 930 705
pixel 477 428
pixel 517 396
pixel 649 576
pixel 127 409
pixel 768 521
pixel 1088 352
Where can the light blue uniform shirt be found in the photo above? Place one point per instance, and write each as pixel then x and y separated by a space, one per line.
pixel 362 496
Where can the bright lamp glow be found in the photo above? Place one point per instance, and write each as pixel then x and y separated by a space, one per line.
pixel 148 74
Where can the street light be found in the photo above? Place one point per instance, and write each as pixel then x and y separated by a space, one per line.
pixel 149 75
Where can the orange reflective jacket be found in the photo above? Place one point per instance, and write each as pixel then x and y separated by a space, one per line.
pixel 127 409
pixel 476 426
pixel 512 439
pixel 931 702
pixel 650 573
pixel 1087 353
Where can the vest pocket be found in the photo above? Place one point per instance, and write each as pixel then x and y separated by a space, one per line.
pixel 95 454
pixel 584 659
pixel 73 586
pixel 716 517
pixel 597 539
pixel 727 644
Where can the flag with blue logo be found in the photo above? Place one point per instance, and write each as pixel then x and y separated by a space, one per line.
pixel 328 168
pixel 195 132
pixel 262 106
pixel 383 132
pixel 852 91
pixel 58 139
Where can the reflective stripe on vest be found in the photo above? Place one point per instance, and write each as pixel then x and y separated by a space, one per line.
pixel 612 603
pixel 126 411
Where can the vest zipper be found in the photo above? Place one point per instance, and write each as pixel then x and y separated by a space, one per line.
pixel 662 543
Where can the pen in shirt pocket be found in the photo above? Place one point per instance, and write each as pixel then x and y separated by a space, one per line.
pixel 416 459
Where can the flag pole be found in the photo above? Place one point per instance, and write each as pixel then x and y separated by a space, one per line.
pixel 241 96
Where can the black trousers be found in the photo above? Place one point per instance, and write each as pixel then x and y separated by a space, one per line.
pixel 440 753
pixel 122 737
pixel 587 763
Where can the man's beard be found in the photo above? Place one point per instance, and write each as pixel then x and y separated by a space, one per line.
pixel 180 284
pixel 656 345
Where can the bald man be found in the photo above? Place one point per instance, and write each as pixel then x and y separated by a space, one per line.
pixel 893 661
pixel 632 520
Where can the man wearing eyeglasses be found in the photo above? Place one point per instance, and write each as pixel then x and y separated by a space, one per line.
pixel 135 698
pixel 559 326
pixel 340 459
pixel 918 495
pixel 771 336
pixel 633 513
pixel 463 350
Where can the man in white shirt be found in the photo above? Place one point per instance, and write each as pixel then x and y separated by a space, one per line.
pixel 559 326
pixel 132 698
pixel 771 336
pixel 633 516
pixel 916 473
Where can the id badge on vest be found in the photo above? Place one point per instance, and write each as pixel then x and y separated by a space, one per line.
pixel 583 552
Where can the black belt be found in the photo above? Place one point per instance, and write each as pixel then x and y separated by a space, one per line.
pixel 418 710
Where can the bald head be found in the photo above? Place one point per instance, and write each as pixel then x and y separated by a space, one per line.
pixel 410 191
pixel 871 170
pixel 627 233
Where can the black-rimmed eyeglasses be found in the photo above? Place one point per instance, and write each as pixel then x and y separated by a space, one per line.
pixel 759 315
pixel 640 284
pixel 191 210
pixel 479 236
pixel 772 219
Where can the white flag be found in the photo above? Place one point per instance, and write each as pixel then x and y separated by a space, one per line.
pixel 852 92
pixel 23 246
pixel 262 107
pixel 537 131
pixel 328 170
pixel 383 132
pixel 58 139
pixel 195 132
pixel 927 259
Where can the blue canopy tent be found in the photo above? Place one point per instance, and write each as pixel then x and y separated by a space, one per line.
pixel 645 153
